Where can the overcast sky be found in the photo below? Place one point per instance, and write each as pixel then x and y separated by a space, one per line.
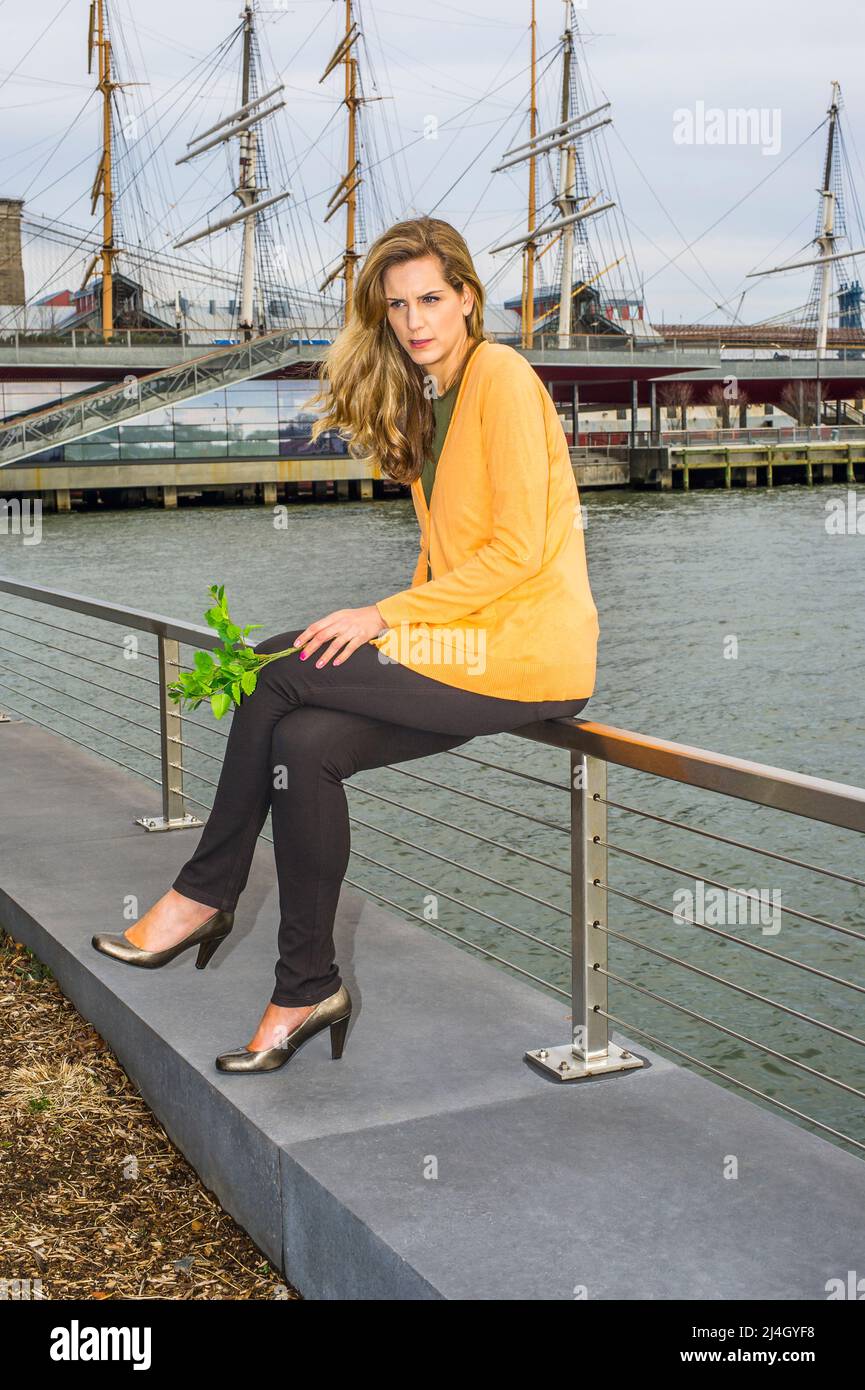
pixel 659 64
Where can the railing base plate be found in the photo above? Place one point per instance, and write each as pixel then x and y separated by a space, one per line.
pixel 187 822
pixel 566 1065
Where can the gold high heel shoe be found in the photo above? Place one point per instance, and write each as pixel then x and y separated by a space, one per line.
pixel 206 937
pixel 333 1013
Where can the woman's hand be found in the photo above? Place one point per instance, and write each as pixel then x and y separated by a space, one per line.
pixel 348 628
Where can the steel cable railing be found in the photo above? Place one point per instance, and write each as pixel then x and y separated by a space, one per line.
pixel 592 750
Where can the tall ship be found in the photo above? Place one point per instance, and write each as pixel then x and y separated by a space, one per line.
pixel 166 351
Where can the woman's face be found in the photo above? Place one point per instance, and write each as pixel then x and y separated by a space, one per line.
pixel 428 316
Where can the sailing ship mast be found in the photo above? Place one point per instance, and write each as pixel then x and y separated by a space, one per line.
pixel 826 238
pixel 346 190
pixel 567 199
pixel 241 125
pixel 560 137
pixel 98 39
pixel 530 249
pixel 246 188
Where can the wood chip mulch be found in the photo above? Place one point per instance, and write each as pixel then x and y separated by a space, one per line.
pixel 95 1199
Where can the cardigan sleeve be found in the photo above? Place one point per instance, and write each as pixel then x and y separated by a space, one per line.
pixel 420 568
pixel 514 442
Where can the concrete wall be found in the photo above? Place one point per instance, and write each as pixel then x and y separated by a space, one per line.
pixel 11 265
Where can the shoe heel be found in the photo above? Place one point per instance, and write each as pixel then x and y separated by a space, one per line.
pixel 338 1031
pixel 206 950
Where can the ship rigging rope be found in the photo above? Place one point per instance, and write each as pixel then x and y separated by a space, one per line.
pixel 672 260
pixel 211 59
pixel 52 153
pixel 495 135
pixel 851 185
pixel 297 224
pixel 67 234
pixel 48 27
pixel 807 218
pixel 218 55
pixel 88 158
pixel 211 62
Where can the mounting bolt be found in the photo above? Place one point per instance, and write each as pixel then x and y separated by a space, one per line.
pixel 543 1053
pixel 564 1066
pixel 625 1054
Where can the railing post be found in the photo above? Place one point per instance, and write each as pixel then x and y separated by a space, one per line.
pixel 590 1051
pixel 174 814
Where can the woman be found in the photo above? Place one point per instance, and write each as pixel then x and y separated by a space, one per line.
pixel 498 628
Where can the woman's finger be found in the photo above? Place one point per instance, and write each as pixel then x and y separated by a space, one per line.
pixel 347 651
pixel 330 650
pixel 311 646
pixel 318 629
pixel 320 632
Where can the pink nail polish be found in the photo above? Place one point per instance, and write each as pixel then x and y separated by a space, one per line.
pixel 304 655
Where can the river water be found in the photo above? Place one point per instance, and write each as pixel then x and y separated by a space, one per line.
pixel 733 621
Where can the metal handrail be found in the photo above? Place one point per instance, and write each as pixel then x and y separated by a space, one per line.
pixel 680 343
pixel 95 411
pixel 223 353
pixel 816 798
pixel 735 844
pixel 592 747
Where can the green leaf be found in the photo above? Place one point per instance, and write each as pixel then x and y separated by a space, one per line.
pixel 227 672
pixel 220 703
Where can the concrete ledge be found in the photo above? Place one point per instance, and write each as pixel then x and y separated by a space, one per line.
pixel 613 1185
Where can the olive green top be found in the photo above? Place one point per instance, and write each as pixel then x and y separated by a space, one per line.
pixel 442 410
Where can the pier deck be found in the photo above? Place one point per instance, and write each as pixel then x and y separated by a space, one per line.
pixel 608 1189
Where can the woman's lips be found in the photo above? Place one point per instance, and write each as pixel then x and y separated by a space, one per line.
pixel 419 342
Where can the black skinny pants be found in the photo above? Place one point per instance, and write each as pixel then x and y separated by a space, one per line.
pixel 291 743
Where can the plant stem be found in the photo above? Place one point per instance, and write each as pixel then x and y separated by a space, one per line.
pixel 271 656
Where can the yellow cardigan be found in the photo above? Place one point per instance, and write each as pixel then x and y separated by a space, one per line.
pixel 508 611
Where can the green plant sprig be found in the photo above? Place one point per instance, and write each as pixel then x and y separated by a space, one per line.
pixel 233 674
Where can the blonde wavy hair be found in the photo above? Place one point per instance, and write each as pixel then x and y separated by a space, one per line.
pixel 372 391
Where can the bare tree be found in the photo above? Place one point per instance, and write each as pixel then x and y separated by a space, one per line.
pixel 678 393
pixel 717 397
pixel 799 399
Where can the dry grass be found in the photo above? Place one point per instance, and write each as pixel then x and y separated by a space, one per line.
pixel 97 1202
